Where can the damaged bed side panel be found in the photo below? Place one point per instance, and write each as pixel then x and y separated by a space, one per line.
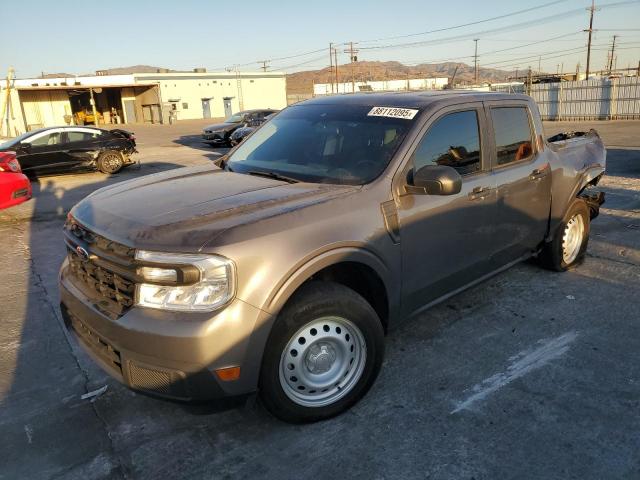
pixel 578 161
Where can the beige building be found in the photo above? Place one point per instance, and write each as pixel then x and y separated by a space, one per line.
pixel 160 97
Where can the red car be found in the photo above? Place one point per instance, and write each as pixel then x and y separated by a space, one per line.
pixel 15 188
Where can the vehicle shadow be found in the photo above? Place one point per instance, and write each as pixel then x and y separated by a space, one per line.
pixel 195 142
pixel 623 162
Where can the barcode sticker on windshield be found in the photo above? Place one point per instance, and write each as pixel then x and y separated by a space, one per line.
pixel 393 112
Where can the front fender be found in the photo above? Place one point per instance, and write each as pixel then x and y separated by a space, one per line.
pixel 331 255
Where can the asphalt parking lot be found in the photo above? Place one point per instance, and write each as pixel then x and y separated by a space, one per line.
pixel 532 374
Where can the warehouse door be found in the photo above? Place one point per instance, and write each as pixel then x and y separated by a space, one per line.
pixel 130 110
pixel 206 108
pixel 227 107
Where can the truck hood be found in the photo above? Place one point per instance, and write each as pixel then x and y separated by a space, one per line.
pixel 186 208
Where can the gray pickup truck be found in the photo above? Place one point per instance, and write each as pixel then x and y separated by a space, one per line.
pixel 281 271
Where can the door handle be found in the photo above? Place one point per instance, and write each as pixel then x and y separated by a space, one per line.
pixel 539 173
pixel 478 193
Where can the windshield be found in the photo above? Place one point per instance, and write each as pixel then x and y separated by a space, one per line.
pixel 15 141
pixel 323 144
pixel 235 118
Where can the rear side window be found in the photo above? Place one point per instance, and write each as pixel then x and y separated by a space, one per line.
pixel 454 141
pixel 76 136
pixel 513 134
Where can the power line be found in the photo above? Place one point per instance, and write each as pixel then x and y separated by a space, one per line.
pixel 450 59
pixel 527 24
pixel 499 17
pixel 466 36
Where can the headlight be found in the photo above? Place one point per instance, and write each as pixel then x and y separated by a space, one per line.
pixel 205 282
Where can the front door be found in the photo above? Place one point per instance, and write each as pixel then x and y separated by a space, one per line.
pixel 42 153
pixel 446 240
pixel 227 107
pixel 206 108
pixel 523 179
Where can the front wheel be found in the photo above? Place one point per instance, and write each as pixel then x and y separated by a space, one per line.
pixel 570 242
pixel 323 354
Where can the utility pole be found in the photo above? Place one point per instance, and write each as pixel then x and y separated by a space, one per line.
pixel 590 30
pixel 352 58
pixel 331 64
pixel 264 65
pixel 475 61
pixel 93 107
pixel 539 65
pixel 335 62
pixel 613 50
pixel 6 107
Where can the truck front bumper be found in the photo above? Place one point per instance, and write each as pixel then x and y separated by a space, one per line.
pixel 170 354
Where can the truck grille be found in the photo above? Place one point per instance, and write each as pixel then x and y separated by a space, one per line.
pixel 102 284
pixel 107 276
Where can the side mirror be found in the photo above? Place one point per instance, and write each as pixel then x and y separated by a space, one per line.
pixel 435 180
pixel 221 162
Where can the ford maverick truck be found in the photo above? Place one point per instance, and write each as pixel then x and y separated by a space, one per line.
pixel 281 271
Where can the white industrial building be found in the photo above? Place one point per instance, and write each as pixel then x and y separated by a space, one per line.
pixel 139 97
pixel 382 86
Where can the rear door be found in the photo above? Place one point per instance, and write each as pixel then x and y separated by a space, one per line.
pixel 446 240
pixel 523 179
pixel 81 146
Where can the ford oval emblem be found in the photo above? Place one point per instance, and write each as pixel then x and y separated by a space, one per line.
pixel 82 253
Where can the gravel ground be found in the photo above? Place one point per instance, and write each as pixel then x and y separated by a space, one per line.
pixel 532 374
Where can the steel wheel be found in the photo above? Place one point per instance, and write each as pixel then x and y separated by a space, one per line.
pixel 322 362
pixel 572 238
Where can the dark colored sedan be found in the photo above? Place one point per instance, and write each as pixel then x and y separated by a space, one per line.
pixel 219 134
pixel 243 132
pixel 69 149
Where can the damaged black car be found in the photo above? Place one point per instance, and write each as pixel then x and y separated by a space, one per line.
pixel 49 151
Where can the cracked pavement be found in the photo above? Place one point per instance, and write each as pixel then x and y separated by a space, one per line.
pixel 546 366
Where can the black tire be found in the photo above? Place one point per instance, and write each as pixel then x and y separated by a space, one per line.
pixel 552 256
pixel 316 300
pixel 110 162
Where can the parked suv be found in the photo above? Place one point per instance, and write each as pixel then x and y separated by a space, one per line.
pixel 282 271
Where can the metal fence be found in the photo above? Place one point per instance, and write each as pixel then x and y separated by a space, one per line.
pixel 595 99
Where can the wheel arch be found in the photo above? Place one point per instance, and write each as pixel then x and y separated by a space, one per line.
pixel 356 268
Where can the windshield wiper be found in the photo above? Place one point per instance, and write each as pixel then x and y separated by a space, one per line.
pixel 275 176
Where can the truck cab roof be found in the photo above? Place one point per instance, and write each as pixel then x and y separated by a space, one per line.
pixel 413 99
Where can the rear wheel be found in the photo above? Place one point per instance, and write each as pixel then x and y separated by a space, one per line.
pixel 323 354
pixel 110 162
pixel 570 242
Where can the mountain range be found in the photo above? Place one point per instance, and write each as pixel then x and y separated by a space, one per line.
pixel 302 82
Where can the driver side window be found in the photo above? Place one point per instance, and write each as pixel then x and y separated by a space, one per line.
pixel 454 141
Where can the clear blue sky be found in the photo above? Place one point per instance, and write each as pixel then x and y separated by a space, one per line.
pixel 83 36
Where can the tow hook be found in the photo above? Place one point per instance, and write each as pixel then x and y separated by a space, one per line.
pixel 593 200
